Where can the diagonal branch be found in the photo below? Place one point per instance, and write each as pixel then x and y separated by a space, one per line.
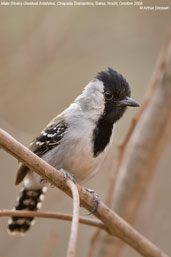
pixel 114 224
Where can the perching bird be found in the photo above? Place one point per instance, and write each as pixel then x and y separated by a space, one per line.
pixel 77 140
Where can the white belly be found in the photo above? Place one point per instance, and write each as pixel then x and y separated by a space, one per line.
pixel 75 154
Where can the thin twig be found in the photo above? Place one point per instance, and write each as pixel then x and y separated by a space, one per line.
pixel 114 224
pixel 75 218
pixel 51 215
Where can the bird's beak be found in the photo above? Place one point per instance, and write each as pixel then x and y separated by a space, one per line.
pixel 128 101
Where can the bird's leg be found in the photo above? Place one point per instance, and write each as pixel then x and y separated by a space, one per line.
pixel 96 199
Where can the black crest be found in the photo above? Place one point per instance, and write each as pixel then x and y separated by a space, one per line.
pixel 114 82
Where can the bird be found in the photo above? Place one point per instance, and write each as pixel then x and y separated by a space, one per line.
pixel 76 141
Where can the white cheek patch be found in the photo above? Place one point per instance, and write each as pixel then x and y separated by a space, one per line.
pixel 92 100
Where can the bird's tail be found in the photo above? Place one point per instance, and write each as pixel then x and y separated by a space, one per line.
pixel 28 200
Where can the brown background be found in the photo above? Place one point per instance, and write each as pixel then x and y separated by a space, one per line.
pixel 47 55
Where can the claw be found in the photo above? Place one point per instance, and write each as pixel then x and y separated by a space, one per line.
pixel 96 199
pixel 43 181
pixel 68 175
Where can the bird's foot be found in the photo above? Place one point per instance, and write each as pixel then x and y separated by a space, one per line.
pixel 43 181
pixel 96 199
pixel 68 175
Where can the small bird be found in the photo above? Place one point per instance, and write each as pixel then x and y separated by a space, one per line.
pixel 75 141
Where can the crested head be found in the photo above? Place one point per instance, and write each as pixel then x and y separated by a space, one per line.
pixel 104 100
pixel 115 91
pixel 116 95
pixel 106 96
pixel 115 83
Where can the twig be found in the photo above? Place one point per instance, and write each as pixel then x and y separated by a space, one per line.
pixel 75 218
pixel 52 215
pixel 114 224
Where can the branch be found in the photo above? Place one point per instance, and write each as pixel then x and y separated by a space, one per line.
pixel 114 224
pixel 51 215
pixel 75 219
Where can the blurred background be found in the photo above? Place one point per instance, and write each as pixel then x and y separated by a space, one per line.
pixel 47 56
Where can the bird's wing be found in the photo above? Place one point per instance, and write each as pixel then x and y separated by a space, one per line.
pixel 48 139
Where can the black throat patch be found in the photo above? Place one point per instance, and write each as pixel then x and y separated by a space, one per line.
pixel 101 136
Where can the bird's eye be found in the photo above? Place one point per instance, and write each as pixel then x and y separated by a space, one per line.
pixel 108 95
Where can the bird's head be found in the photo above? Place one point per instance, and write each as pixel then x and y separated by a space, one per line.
pixel 107 97
pixel 116 93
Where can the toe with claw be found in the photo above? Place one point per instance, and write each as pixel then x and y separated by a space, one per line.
pixel 68 175
pixel 96 199
pixel 43 181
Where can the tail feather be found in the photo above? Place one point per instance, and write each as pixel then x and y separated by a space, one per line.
pixel 28 200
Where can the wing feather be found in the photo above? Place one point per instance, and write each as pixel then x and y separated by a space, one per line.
pixel 48 139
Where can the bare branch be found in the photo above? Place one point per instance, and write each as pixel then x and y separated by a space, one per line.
pixel 75 218
pixel 52 215
pixel 114 224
